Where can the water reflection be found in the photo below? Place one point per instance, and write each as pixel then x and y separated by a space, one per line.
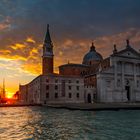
pixel 40 123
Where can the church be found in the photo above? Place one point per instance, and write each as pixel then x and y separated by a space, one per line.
pixel 113 79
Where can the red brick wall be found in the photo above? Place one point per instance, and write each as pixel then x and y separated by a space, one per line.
pixel 70 70
pixel 47 65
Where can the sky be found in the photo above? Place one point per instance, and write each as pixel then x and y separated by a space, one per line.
pixel 74 24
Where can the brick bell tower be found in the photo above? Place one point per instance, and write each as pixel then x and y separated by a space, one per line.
pixel 47 58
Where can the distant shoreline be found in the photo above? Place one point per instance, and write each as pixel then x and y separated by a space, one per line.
pixel 97 106
pixel 86 107
pixel 18 105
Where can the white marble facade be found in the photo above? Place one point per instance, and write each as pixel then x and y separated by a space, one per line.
pixel 121 81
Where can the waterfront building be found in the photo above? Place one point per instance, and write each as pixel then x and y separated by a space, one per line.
pixel 50 87
pixel 113 79
pixel 118 79
pixel 54 88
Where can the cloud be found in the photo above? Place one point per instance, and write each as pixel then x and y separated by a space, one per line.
pixel 28 53
pixel 30 39
pixel 25 53
pixel 32 68
pixel 18 46
pixel 5 24
pixel 73 26
pixel 76 49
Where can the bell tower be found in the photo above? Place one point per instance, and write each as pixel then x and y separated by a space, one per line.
pixel 47 58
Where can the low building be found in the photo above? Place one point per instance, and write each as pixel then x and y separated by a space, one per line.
pixel 54 88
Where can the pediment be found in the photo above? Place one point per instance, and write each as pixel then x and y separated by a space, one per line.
pixel 129 52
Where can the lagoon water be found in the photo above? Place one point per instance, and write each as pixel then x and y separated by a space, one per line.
pixel 41 123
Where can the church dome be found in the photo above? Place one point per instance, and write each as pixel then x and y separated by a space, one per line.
pixel 92 56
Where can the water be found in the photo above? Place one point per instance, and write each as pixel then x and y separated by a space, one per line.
pixel 41 123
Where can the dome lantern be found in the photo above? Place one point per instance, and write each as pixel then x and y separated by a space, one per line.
pixel 92 56
pixel 92 48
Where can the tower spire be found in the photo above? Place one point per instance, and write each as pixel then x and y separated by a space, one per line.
pixel 48 37
pixel 47 58
pixel 48 45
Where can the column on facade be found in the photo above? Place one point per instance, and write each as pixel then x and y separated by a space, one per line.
pixel 135 81
pixel 135 76
pixel 115 75
pixel 123 81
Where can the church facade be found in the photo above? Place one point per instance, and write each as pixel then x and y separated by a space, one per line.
pixel 114 79
pixel 118 78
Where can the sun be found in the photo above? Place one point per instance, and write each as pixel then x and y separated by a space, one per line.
pixel 9 95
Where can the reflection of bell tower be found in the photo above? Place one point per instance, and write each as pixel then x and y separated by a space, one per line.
pixel 47 58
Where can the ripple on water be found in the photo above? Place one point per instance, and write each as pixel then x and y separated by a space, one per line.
pixel 40 123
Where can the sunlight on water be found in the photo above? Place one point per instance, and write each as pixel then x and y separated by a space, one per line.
pixel 40 123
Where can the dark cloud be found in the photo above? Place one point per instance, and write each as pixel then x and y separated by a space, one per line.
pixel 70 18
pixel 73 25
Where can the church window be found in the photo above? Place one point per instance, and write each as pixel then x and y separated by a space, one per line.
pixel 108 83
pixel 90 62
pixel 77 95
pixel 118 82
pixel 94 96
pixel 69 87
pixel 138 83
pixel 127 82
pixel 77 87
pixel 47 87
pixel 69 95
pixel 56 87
pixel 56 95
pixel 77 81
pixel 63 88
pixel 47 94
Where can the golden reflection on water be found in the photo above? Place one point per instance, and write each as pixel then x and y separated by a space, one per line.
pixel 12 122
pixel 41 123
pixel 29 123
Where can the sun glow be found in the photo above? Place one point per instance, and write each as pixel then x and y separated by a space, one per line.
pixel 9 95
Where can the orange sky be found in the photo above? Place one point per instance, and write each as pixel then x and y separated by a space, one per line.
pixel 74 24
pixel 19 68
